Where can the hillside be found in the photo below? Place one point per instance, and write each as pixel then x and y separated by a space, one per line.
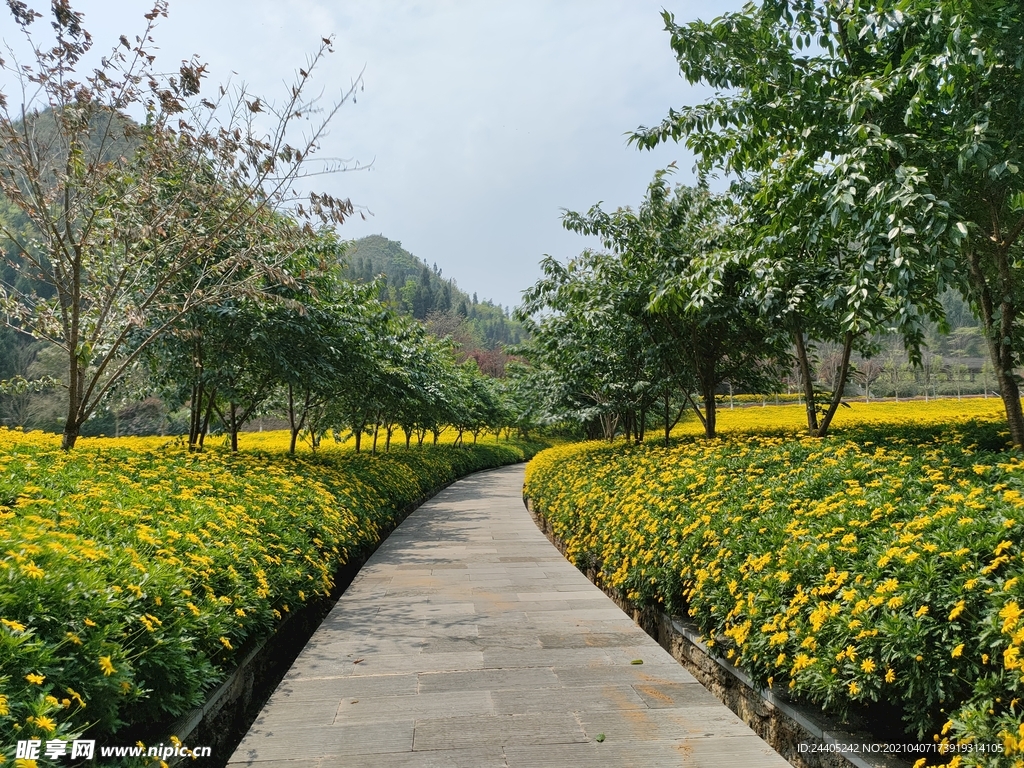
pixel 420 290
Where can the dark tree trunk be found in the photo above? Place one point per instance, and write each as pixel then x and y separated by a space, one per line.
pixel 708 385
pixel 998 325
pixel 233 426
pixel 205 426
pixel 668 426
pixel 837 394
pixel 804 363
pixel 195 415
pixel 295 425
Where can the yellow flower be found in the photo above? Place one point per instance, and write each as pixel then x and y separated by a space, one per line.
pixel 107 666
pixel 4 708
pixel 46 724
pixel 14 626
pixel 1010 613
pixel 890 676
pixel 868 666
pixel 958 651
pixel 1011 657
pixel 853 688
pixel 35 679
pixel 957 610
pixel 226 643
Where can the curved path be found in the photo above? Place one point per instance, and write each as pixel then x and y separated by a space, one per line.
pixel 468 641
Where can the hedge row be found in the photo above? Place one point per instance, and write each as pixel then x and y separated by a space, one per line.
pixel 132 573
pixel 878 571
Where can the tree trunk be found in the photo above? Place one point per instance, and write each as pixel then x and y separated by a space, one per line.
pixel 205 426
pixel 234 426
pixel 804 363
pixel 998 332
pixel 291 421
pixel 710 411
pixel 837 395
pixel 70 436
pixel 359 437
pixel 668 427
pixel 73 424
pixel 195 411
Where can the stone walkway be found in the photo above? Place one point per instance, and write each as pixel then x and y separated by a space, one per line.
pixel 467 641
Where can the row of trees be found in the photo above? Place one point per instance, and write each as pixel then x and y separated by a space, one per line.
pixel 330 357
pixel 874 155
pixel 156 242
pixel 624 333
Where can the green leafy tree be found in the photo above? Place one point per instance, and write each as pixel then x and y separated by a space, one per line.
pixel 809 118
pixel 688 293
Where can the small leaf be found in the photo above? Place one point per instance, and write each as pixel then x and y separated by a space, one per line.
pixel 637 661
pixel 599 738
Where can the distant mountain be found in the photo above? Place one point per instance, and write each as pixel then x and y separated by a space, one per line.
pixel 415 288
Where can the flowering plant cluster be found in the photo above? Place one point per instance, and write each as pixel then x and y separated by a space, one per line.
pixel 133 572
pixel 882 569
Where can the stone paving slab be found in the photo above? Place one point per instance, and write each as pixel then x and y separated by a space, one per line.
pixel 467 641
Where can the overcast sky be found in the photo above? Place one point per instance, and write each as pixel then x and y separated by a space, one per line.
pixel 480 120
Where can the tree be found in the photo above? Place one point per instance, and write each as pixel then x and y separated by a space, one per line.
pixel 129 223
pixel 830 191
pixel 688 291
pixel 584 331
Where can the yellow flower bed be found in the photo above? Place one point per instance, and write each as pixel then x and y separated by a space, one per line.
pixel 133 573
pixel 880 569
pixel 791 418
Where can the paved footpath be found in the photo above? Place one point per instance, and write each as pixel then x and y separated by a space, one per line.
pixel 468 641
